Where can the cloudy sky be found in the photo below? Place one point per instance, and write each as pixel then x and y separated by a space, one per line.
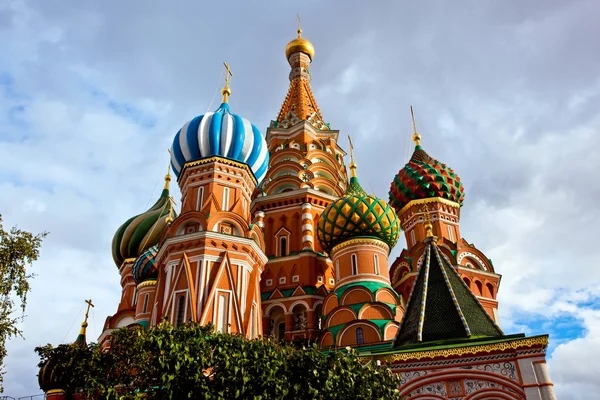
pixel 506 93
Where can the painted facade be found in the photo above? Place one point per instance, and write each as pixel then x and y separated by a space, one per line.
pixel 273 239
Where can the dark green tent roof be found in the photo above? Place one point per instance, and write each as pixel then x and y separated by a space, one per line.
pixel 441 306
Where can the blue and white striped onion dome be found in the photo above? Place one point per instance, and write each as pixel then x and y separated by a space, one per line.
pixel 223 134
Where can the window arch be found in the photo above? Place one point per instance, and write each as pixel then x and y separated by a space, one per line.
pixel 479 287
pixel 283 246
pixel 145 308
pixel 490 289
pixel 360 338
pixel 376 263
pixel 467 282
pixel 354 264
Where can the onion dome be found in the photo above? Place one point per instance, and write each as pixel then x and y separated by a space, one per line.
pixel 144 268
pixel 424 177
pixel 357 214
pixel 300 45
pixel 222 134
pixel 143 231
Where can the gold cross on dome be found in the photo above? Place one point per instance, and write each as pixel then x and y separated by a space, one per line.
pixel 227 72
pixel 87 312
pixel 352 165
pixel 415 137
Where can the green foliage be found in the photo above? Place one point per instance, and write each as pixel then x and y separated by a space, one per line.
pixel 18 249
pixel 194 362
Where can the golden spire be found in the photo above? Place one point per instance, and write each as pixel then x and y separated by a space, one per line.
pixel 299 45
pixel 428 225
pixel 226 91
pixel 352 165
pixel 415 137
pixel 299 29
pixel 168 177
pixel 84 325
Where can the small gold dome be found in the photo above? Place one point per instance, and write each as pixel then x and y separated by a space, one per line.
pixel 300 45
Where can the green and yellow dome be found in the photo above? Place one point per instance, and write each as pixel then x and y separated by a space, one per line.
pixel 357 214
pixel 143 231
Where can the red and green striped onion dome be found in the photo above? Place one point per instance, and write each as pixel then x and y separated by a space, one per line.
pixel 425 177
pixel 142 231
pixel 357 214
pixel 144 267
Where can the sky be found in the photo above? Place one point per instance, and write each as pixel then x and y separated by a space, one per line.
pixel 506 93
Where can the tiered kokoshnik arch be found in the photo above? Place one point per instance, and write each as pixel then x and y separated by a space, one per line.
pixel 359 231
pixel 306 173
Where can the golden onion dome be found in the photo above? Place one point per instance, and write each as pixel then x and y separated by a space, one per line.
pixel 300 45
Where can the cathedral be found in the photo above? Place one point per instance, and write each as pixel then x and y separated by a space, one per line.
pixel 275 236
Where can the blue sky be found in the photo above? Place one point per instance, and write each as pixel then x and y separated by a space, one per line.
pixel 507 94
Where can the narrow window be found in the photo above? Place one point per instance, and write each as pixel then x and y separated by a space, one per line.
pixel 376 263
pixel 180 310
pixel 282 246
pixel 354 265
pixel 226 199
pixel 145 309
pixel 359 336
pixel 222 322
pixel 412 237
pixel 200 198
pixel 251 328
pixel 450 233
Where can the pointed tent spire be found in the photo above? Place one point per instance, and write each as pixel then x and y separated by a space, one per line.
pixel 441 306
pixel 300 103
pixel 81 338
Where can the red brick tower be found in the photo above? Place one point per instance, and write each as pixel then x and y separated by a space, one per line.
pixel 306 173
pixel 423 186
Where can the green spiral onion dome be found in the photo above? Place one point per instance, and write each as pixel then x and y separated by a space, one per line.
pixel 424 177
pixel 144 268
pixel 357 214
pixel 143 231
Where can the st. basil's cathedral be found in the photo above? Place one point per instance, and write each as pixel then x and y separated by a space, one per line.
pixel 273 239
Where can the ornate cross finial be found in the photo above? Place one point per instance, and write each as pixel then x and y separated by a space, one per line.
pixel 299 29
pixel 87 313
pixel 226 90
pixel 415 137
pixel 352 165
pixel 428 225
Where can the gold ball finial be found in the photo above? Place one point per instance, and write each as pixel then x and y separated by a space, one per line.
pixel 417 139
pixel 299 45
pixel 168 177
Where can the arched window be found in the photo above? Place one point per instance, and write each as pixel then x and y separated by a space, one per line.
pixel 467 282
pixel 180 310
pixel 319 315
pixel 145 308
pixel 376 263
pixel 354 265
pixel 360 339
pixel 490 289
pixel 283 247
pixel 222 321
pixel 479 288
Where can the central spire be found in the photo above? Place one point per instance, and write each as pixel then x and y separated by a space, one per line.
pixel 300 104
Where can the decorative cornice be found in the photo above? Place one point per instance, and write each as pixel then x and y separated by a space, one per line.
pixel 427 201
pixel 150 282
pixel 461 351
pixel 369 241
pixel 222 160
